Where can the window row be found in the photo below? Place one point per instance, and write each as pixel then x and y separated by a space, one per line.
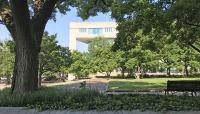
pixel 95 30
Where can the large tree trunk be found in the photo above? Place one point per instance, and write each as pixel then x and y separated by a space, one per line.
pixel 27 33
pixel 123 71
pixel 26 65
pixel 168 71
pixel 27 69
pixel 186 70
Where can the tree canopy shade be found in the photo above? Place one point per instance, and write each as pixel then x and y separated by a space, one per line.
pixel 26 20
pixel 178 19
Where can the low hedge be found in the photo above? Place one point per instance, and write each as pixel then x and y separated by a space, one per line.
pixel 84 99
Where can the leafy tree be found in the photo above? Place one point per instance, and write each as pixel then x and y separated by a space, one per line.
pixel 102 57
pixel 131 65
pixel 177 18
pixel 26 21
pixel 169 56
pixel 80 66
pixel 6 60
pixel 53 58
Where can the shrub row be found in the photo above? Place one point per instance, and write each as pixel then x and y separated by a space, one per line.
pixel 84 99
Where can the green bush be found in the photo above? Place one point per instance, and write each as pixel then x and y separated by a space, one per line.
pixel 84 99
pixel 50 78
pixel 18 100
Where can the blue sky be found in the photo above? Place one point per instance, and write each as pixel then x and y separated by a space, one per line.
pixel 61 27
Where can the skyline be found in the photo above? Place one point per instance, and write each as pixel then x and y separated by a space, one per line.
pixel 61 27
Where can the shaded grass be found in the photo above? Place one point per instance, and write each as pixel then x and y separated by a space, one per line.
pixel 142 84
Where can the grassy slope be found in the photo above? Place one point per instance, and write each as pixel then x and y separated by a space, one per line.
pixel 142 84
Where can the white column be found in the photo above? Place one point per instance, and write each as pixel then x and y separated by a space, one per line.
pixel 72 39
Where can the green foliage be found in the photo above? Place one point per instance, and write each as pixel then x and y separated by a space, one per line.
pixel 80 66
pixel 92 7
pixel 102 57
pixel 50 99
pixel 6 59
pixel 53 58
pixel 20 100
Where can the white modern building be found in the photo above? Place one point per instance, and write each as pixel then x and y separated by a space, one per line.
pixel 85 31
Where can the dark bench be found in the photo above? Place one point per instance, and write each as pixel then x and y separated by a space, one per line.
pixel 192 86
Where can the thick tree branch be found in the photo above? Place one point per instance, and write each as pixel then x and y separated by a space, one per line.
pixel 194 47
pixel 20 22
pixel 192 24
pixel 7 19
pixel 43 11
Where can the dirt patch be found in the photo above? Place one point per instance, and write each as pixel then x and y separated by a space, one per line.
pixel 2 86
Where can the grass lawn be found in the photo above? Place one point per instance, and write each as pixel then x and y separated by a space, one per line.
pixel 142 84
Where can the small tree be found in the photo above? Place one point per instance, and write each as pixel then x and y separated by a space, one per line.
pixel 6 60
pixel 104 59
pixel 53 58
pixel 80 66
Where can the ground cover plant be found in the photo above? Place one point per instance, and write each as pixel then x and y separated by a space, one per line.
pixel 84 99
pixel 142 84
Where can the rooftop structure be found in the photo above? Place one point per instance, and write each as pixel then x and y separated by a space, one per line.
pixel 86 31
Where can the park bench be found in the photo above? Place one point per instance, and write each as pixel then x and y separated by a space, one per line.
pixel 192 86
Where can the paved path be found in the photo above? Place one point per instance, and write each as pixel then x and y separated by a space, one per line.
pixel 2 86
pixel 19 110
pixel 155 93
pixel 96 83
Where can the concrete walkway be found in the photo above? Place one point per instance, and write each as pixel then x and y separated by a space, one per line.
pixel 2 86
pixel 18 110
pixel 154 93
pixel 99 84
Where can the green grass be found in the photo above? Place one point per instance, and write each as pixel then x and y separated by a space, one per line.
pixel 142 84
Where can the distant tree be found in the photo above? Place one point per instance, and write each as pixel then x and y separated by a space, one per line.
pixel 80 66
pixel 104 59
pixel 6 60
pixel 52 58
pixel 131 66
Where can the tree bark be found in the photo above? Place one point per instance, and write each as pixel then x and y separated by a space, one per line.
pixel 186 70
pixel 194 47
pixel 108 74
pixel 123 71
pixel 26 49
pixel 168 71
pixel 27 33
pixel 27 69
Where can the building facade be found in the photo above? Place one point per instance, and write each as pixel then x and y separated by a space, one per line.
pixel 86 31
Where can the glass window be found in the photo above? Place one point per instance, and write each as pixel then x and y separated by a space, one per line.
pixel 82 30
pixel 95 31
pixel 109 29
